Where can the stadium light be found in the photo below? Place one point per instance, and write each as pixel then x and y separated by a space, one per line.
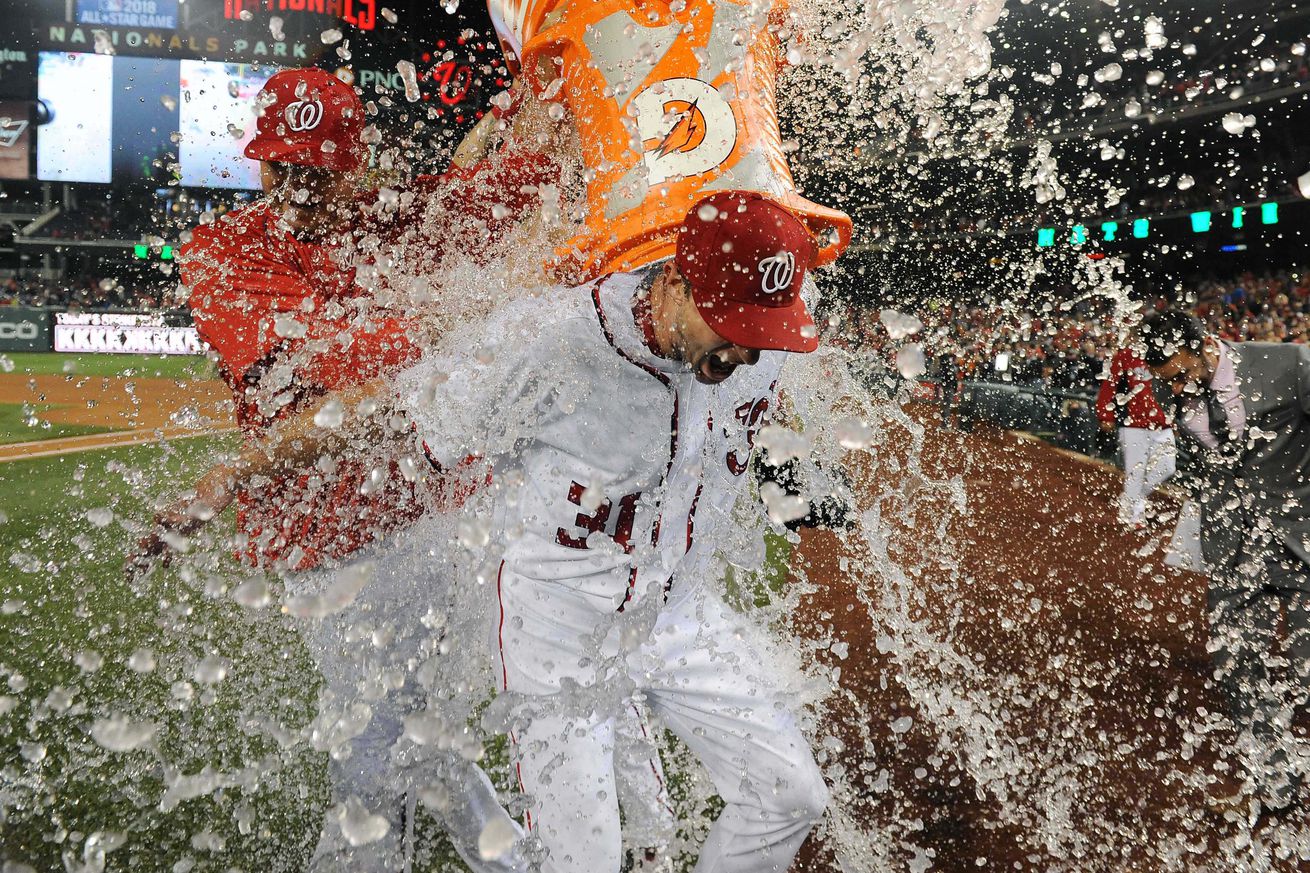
pixel 1109 229
pixel 1045 237
pixel 1239 216
pixel 1268 213
pixel 1200 222
pixel 1141 228
pixel 1079 235
pixel 140 251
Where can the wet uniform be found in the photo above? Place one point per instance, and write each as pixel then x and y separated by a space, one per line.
pixel 604 453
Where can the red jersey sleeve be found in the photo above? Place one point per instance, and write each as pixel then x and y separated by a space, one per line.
pixel 346 353
pixel 1106 404
pixel 239 283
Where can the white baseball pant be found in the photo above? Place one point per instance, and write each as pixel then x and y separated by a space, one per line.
pixel 1149 459
pixel 703 677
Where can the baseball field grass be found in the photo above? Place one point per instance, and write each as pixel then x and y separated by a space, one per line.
pixel 219 688
pixel 162 366
pixel 18 426
pixel 81 646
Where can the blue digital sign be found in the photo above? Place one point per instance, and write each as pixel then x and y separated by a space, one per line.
pixel 155 14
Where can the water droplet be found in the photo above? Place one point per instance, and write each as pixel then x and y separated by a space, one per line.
pixel 391 17
pixel 409 76
pixel 141 661
pixel 101 516
pixel 1236 123
pixel 359 826
pixel 781 506
pixel 898 324
pixel 854 434
pixel 472 532
pixel 331 36
pixel 330 415
pixel 211 670
pixel 910 361
pixel 118 733
pixel 275 28
pixel 252 594
pixel 497 838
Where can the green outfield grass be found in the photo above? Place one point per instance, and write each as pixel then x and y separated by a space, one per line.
pixel 15 429
pixel 65 605
pixel 163 366
pixel 72 627
pixel 66 608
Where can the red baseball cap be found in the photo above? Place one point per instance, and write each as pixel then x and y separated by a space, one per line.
pixel 745 258
pixel 300 113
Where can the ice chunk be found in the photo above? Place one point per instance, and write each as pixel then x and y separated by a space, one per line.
pixel 497 839
pixel 359 826
pixel 899 325
pixel 910 361
pixel 118 733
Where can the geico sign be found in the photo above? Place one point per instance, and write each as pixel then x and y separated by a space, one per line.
pixel 23 330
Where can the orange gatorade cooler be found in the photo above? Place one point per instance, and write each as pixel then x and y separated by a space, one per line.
pixel 672 101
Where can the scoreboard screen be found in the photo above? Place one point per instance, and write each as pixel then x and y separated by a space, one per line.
pixel 114 117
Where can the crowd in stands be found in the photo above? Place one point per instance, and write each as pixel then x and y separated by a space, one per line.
pixel 1065 349
pixel 85 292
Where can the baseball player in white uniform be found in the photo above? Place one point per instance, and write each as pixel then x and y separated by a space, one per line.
pixel 596 409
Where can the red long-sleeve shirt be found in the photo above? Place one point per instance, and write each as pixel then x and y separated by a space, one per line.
pixel 1126 397
pixel 288 325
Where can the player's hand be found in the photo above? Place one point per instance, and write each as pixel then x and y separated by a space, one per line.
pixel 158 546
pixel 171 525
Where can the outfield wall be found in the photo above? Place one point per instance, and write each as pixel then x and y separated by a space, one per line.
pixel 35 329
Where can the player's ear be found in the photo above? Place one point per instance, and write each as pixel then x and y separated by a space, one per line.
pixel 672 275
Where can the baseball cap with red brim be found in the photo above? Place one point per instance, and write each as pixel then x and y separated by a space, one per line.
pixel 745 258
pixel 311 118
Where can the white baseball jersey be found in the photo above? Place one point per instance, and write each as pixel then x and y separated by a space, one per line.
pixel 609 463
pixel 606 510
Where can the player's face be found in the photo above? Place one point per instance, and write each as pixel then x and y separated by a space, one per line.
pixel 314 201
pixel 1184 373
pixel 712 358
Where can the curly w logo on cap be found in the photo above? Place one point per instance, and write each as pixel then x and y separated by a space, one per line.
pixel 745 258
pixel 312 118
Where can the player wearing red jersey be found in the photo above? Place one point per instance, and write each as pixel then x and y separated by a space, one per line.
pixel 274 296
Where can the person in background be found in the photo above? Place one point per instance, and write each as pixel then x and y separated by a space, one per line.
pixel 1126 403
pixel 274 297
pixel 1243 410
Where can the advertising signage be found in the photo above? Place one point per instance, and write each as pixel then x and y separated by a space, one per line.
pixel 160 14
pixel 362 14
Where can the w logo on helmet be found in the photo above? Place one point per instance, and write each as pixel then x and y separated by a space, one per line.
pixel 304 115
pixel 778 272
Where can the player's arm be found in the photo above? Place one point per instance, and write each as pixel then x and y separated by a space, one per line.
pixel 295 442
pixel 1105 399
